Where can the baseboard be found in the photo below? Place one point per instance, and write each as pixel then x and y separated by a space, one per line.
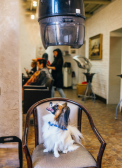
pixel 101 98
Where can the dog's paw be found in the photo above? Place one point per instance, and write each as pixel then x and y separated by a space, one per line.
pixel 65 151
pixel 56 155
pixel 45 150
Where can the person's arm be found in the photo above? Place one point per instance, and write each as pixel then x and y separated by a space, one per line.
pixel 49 67
pixel 26 71
pixel 48 63
pixel 52 66
pixel 56 65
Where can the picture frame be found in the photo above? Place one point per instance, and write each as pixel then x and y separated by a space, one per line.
pixel 73 51
pixel 39 51
pixel 95 47
pixel 65 53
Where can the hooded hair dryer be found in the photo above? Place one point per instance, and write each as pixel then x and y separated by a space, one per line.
pixel 62 22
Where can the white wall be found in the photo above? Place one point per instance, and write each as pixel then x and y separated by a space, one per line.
pixel 10 74
pixel 29 39
pixel 121 79
pixel 27 49
pixel 79 77
pixel 104 21
pixel 114 70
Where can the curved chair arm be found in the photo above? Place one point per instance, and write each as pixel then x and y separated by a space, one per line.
pixel 28 156
pixel 25 139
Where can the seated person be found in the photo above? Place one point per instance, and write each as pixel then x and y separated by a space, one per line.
pixel 41 76
pixel 44 56
pixel 33 70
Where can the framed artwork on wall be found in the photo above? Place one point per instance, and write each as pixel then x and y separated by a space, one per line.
pixel 95 47
pixel 66 53
pixel 73 51
pixel 39 51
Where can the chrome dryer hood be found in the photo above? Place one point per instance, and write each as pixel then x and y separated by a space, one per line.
pixel 83 62
pixel 62 22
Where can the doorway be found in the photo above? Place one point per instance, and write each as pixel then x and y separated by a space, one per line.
pixel 115 66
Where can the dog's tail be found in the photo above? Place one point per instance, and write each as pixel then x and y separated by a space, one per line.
pixel 76 134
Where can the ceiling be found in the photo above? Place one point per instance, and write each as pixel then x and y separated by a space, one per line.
pixel 90 6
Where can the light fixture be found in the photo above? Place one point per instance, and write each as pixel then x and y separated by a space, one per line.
pixel 62 22
pixel 34 3
pixel 32 17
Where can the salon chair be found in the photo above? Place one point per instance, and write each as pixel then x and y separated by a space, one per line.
pixel 5 153
pixel 34 93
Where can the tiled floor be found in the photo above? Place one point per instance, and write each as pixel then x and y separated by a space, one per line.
pixel 104 119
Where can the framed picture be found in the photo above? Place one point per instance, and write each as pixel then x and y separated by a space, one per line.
pixel 65 53
pixel 95 47
pixel 73 51
pixel 39 51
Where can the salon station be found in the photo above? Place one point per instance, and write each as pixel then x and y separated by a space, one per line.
pixel 67 54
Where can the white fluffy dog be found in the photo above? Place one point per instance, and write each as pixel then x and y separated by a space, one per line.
pixel 57 134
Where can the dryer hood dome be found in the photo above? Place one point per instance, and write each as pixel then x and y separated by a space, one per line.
pixel 83 62
pixel 62 22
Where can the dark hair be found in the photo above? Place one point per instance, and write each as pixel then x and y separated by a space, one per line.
pixel 45 56
pixel 34 63
pixel 59 53
pixel 42 61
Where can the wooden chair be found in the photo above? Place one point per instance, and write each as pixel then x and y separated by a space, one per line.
pixel 80 158
pixel 9 139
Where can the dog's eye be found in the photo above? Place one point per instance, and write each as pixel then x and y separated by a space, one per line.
pixel 56 107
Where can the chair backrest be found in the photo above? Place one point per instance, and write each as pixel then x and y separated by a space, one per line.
pixel 14 139
pixel 33 94
pixel 75 113
pixel 49 83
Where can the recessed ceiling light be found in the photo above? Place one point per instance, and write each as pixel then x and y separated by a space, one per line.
pixel 34 3
pixel 32 16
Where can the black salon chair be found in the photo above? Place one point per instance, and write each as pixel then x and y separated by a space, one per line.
pixel 10 139
pixel 34 93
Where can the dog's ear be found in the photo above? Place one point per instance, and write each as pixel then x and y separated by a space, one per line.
pixel 64 104
pixel 63 118
pixel 66 115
